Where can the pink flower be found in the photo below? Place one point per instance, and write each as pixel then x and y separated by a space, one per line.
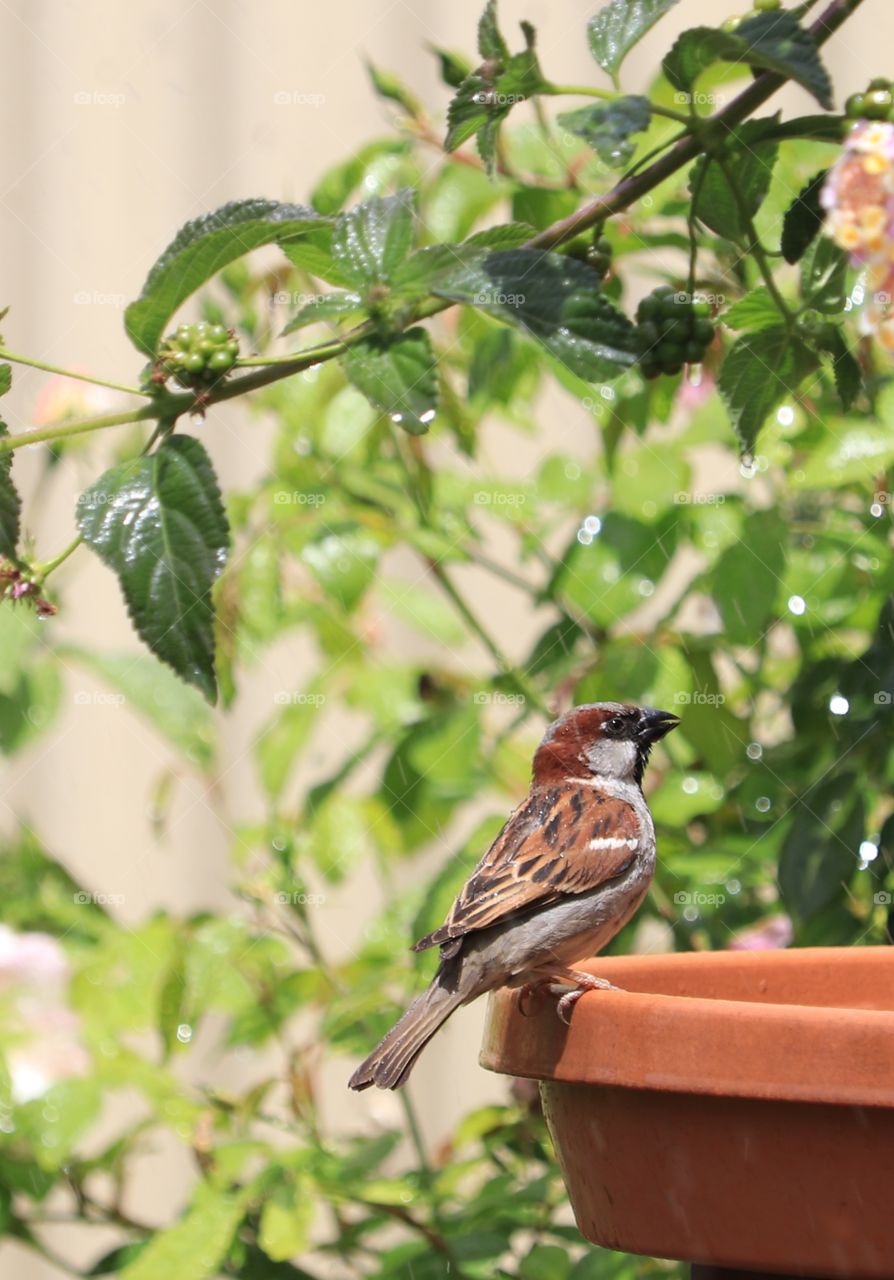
pixel 768 935
pixel 858 196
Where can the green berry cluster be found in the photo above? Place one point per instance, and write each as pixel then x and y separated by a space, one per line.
pixel 876 102
pixel 672 330
pixel 759 6
pixel 596 253
pixel 198 355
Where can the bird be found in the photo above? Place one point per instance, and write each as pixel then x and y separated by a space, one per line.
pixel 567 871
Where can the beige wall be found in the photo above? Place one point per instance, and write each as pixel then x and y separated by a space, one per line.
pixel 122 121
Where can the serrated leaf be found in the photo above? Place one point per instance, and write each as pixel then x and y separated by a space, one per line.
pixel 758 372
pixel 756 310
pixel 197 1244
pixel 824 277
pixel 371 240
pixel 845 370
pixel 614 30
pixel 454 67
pixel 769 41
pixel 488 94
pixel 508 235
pixel 490 39
pixel 554 299
pixel 751 164
pixel 177 711
pixel 325 306
pixel 201 249
pixel 159 523
pixel 397 375
pixel 606 127
pixel 10 503
pixel 803 219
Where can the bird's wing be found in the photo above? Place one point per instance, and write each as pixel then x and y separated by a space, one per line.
pixel 558 842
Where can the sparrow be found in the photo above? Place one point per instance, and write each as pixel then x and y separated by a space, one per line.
pixel 565 874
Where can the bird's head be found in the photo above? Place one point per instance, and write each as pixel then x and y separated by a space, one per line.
pixel 601 740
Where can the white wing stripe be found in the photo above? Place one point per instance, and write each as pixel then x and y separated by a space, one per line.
pixel 613 842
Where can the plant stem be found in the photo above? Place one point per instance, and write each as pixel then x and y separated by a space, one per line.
pixel 79 427
pixel 43 570
pixel 69 373
pixel 754 247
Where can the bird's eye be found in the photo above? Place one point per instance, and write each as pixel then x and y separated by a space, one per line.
pixel 615 725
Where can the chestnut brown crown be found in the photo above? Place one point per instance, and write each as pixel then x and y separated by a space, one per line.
pixel 601 738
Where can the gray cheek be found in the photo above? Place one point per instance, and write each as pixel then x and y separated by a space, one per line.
pixel 612 759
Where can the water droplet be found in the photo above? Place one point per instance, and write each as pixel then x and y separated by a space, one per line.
pixel 593 525
pixel 785 416
pixel 868 851
pixel 762 804
pixel 397 417
pixel 645 587
pixel 197 417
pixel 184 1033
pixel 584 538
pixel 690 914
pixel 754 751
pixel 690 786
pixel 797 605
pixel 572 471
pixel 427 416
pixel 748 468
pixel 733 886
pixel 839 705
pixel 876 510
pixel 279 844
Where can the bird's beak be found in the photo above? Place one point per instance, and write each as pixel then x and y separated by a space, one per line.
pixel 654 724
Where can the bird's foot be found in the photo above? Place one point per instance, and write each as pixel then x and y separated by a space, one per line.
pixel 580 983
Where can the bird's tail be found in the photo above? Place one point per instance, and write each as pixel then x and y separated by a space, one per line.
pixel 391 1062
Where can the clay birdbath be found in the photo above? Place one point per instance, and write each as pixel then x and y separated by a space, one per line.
pixel 730 1109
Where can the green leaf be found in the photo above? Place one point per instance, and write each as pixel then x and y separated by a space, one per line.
pixel 821 851
pixel 858 452
pixel 454 67
pixel 746 579
pixel 845 367
pixel 159 523
pixel 287 734
pixel 606 127
pixel 759 371
pixel 197 1245
pixel 325 306
pixel 176 710
pixel 10 504
pixel 803 219
pixel 554 299
pixel 545 1262
pixel 343 561
pixel 614 30
pixel 199 251
pixel 769 41
pixel 750 163
pixel 371 240
pixel 488 94
pixel 333 189
pixel 757 310
pixel 389 87
pixel 397 375
pixel 824 277
pixel 5 378
pixel 286 1219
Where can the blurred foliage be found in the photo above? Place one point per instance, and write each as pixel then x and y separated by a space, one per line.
pixel 750 592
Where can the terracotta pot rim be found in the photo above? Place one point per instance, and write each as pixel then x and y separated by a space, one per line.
pixel 803 1025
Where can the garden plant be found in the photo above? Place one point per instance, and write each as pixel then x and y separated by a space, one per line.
pixel 707 284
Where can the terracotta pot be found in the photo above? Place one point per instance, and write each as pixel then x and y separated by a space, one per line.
pixel 725 1108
